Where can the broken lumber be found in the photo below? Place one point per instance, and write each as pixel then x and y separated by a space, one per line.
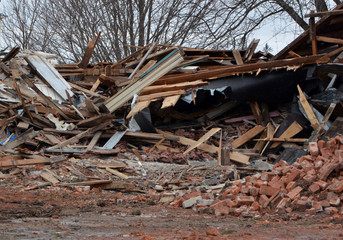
pixel 247 136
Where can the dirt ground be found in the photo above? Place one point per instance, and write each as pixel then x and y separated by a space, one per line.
pixel 62 213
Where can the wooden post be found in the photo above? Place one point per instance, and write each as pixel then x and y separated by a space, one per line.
pixel 313 35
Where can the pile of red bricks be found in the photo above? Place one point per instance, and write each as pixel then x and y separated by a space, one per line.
pixel 314 183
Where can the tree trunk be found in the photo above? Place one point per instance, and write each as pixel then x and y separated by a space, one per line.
pixel 286 7
pixel 321 6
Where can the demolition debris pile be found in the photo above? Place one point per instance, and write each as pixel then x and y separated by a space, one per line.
pixel 77 124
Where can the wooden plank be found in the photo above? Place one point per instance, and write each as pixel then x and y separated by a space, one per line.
pixel 260 144
pixel 247 136
pixel 202 139
pixel 324 13
pixel 86 91
pixel 95 85
pixel 94 141
pixel 313 33
pixel 23 125
pixel 24 162
pixel 256 111
pixel 89 51
pixel 308 109
pixel 158 53
pixel 170 101
pixel 139 106
pixel 293 54
pixel 172 87
pixel 76 138
pixel 90 105
pixel 227 71
pixel 282 139
pixel 86 183
pixel 112 165
pixel 117 173
pixel 157 71
pixel 291 131
pixel 52 139
pixel 156 96
pixel 237 56
pixel 251 49
pixel 330 40
pixel 187 142
pixel 105 151
pixel 239 157
pixel 14 51
pixel 96 120
pixel 50 75
pixel 47 177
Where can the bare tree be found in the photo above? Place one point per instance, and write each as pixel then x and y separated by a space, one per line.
pixel 65 26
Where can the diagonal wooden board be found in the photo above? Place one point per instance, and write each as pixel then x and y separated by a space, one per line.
pixel 202 139
pixel 170 101
pixel 247 136
pixel 308 109
pixel 239 157
pixel 187 141
pixel 138 107
pixel 291 131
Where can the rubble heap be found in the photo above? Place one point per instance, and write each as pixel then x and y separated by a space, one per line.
pixel 313 184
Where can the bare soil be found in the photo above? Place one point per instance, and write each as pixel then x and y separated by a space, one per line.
pixel 62 213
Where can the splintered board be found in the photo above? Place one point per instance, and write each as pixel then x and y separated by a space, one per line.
pixel 247 136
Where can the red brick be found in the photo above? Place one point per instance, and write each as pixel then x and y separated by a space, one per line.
pixel 331 210
pixel 318 163
pixel 293 175
pixel 245 190
pixel 310 178
pixel 212 232
pixel 276 184
pixel 253 191
pixel 263 199
pixel 314 188
pixel 293 193
pixel 306 165
pixel 335 202
pixel 304 204
pixel 326 170
pixel 191 195
pixel 245 200
pixel 260 183
pixel 178 202
pixel 267 176
pixel 336 187
pixel 267 190
pixel 321 144
pixel 325 203
pixel 235 190
pixel 314 151
pixel 283 203
pixel 311 211
pixel 220 211
pixel 325 152
pixel 220 208
pixel 322 184
pixel 255 206
pixel 318 206
pixel 291 185
pixel 231 203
